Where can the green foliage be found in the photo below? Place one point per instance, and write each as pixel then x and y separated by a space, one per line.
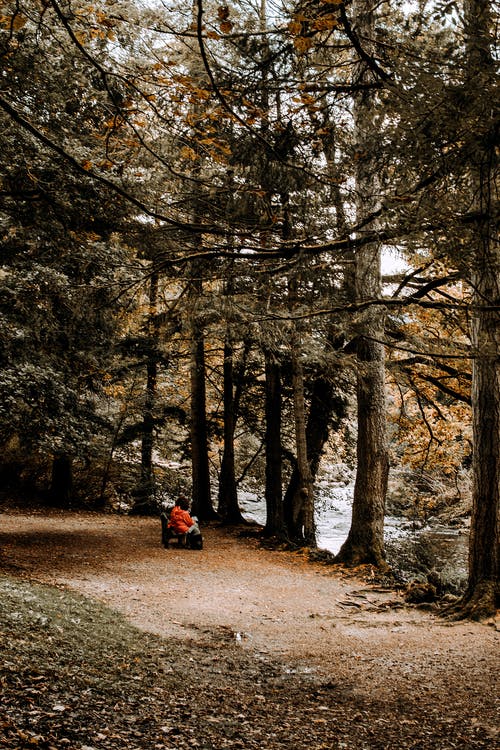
pixel 248 167
pixel 60 260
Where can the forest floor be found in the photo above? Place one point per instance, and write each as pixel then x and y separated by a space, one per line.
pixel 110 641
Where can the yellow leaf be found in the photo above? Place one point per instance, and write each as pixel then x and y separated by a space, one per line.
pixel 202 94
pixel 224 148
pixel 19 21
pixel 189 153
pixel 294 27
pixel 15 22
pixel 87 165
pixel 81 37
pixel 324 24
pixel 302 44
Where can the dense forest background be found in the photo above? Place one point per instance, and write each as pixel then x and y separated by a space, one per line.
pixel 243 240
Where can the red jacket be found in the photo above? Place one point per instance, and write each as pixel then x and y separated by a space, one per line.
pixel 180 520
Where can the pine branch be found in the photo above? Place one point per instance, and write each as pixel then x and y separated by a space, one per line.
pixel 83 170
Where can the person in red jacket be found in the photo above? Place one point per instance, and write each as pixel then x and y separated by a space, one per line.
pixel 181 523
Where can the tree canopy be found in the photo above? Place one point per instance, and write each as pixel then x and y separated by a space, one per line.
pixel 196 208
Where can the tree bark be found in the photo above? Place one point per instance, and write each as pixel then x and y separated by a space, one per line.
pixel 302 527
pixel 365 541
pixel 482 595
pixel 275 521
pixel 144 495
pixel 326 411
pixel 200 467
pixel 228 508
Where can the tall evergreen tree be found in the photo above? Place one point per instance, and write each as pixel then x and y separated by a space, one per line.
pixel 59 265
pixel 482 596
pixel 364 543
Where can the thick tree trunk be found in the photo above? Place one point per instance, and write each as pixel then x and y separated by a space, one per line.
pixel 275 522
pixel 482 596
pixel 365 541
pixel 364 544
pixel 228 508
pixel 483 589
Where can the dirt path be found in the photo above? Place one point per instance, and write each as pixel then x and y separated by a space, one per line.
pixel 273 603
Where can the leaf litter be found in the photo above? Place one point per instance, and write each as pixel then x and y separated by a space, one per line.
pixel 76 675
pixel 306 672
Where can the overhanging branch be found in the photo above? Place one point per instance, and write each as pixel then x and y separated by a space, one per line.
pixel 83 170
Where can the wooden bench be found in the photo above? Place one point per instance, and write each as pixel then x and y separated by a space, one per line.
pixel 169 537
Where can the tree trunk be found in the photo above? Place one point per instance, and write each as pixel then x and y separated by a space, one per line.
pixel 148 426
pixel 275 522
pixel 144 495
pixel 483 587
pixel 326 410
pixel 200 465
pixel 302 528
pixel 365 541
pixel 482 595
pixel 201 499
pixel 228 508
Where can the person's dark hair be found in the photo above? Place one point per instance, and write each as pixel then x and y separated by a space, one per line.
pixel 183 502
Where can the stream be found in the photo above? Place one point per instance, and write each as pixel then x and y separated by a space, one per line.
pixel 412 552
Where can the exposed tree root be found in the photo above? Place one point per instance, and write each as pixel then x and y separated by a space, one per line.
pixel 352 556
pixel 478 603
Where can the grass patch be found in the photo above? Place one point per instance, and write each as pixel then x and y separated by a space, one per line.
pixel 74 672
pixel 76 676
